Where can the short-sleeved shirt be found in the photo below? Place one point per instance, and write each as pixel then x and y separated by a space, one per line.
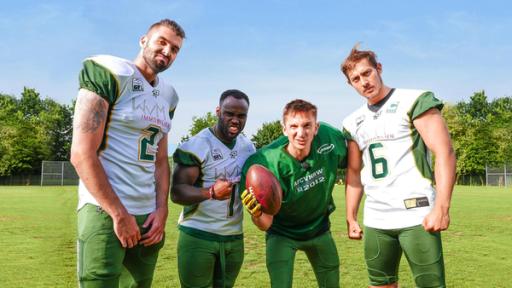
pixel 307 185
pixel 397 175
pixel 214 219
pixel 139 115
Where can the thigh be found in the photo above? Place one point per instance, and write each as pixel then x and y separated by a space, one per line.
pixel 233 259
pixel 280 259
pixel 382 253
pixel 196 261
pixel 323 255
pixel 139 263
pixel 424 253
pixel 100 254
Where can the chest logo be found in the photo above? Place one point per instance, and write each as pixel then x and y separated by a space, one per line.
pixel 392 108
pixel 233 154
pixel 216 154
pixel 156 92
pixel 324 149
pixel 137 85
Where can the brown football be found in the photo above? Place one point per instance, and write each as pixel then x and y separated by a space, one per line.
pixel 265 186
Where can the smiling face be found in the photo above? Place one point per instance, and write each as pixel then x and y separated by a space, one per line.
pixel 160 47
pixel 232 114
pixel 300 128
pixel 367 81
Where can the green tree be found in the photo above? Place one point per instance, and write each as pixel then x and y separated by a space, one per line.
pixel 32 130
pixel 267 133
pixel 199 123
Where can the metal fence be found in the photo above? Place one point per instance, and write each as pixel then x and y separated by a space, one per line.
pixel 58 173
pixel 499 175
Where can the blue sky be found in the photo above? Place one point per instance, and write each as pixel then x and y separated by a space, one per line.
pixel 275 51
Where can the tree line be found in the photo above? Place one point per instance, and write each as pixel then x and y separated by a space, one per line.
pixel 33 129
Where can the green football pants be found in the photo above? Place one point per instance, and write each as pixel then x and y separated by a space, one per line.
pixel 423 250
pixel 321 252
pixel 206 263
pixel 103 262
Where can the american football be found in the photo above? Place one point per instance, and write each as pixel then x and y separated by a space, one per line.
pixel 265 186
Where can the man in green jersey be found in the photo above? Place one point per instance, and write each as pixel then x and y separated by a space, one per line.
pixel 390 139
pixel 210 245
pixel 305 161
pixel 122 117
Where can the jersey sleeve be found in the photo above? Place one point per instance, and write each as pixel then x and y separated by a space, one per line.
pixel 174 103
pixel 100 80
pixel 340 144
pixel 423 103
pixel 191 153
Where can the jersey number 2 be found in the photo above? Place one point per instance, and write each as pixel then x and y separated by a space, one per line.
pixel 379 163
pixel 147 138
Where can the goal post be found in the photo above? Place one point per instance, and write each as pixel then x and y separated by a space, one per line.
pixel 58 173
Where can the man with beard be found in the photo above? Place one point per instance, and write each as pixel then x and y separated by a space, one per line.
pixel 205 182
pixel 122 116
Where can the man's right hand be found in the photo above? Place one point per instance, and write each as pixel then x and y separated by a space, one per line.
pixel 222 189
pixel 126 230
pixel 354 231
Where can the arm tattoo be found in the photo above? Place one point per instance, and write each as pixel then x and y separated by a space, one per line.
pixel 94 112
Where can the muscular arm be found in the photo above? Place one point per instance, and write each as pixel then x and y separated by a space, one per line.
pixel 156 220
pixel 434 133
pixel 353 190
pixel 88 126
pixel 184 192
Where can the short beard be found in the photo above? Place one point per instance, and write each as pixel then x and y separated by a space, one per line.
pixel 152 63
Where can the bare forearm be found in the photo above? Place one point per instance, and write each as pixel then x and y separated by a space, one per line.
pixel 185 194
pixel 162 179
pixel 263 222
pixel 353 197
pixel 93 175
pixel 445 179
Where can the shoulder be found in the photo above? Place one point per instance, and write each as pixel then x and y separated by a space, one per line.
pixel 193 151
pixel 355 118
pixel 115 65
pixel 168 91
pixel 244 141
pixel 418 101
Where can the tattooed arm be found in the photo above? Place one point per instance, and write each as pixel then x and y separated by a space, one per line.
pixel 88 126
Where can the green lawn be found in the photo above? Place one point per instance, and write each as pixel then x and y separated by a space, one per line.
pixel 38 227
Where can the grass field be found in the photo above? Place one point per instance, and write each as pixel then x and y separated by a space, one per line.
pixel 38 227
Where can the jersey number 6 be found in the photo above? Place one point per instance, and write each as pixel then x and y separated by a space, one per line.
pixel 379 163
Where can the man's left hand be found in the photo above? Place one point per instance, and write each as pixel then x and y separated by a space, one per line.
pixel 156 222
pixel 436 221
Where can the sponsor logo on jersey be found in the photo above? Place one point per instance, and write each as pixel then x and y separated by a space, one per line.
pixel 233 154
pixel 156 92
pixel 150 108
pixel 309 181
pixel 216 154
pixel 377 115
pixel 416 202
pixel 137 85
pixel 392 108
pixel 324 149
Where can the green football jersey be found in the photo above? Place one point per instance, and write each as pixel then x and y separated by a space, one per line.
pixel 307 185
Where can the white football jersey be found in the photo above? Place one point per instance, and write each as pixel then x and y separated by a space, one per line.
pixel 215 160
pixel 139 116
pixel 397 175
